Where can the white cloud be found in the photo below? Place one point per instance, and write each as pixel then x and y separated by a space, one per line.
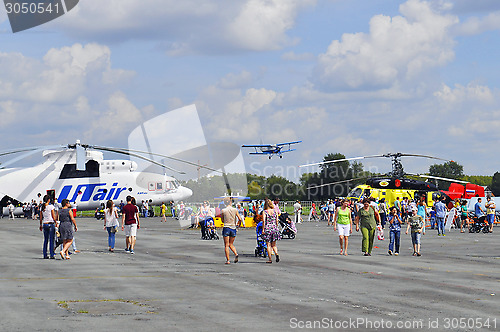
pixel 262 24
pixel 397 50
pixel 477 25
pixel 230 116
pixel 118 119
pixel 72 92
pixel 189 26
pixel 292 56
pixel 234 81
pixel 460 94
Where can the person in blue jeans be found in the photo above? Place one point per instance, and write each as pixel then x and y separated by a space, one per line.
pixel 394 231
pixel 48 227
pixel 111 223
pixel 433 219
pixel 440 209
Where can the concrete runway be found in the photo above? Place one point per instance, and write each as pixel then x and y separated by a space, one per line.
pixel 177 282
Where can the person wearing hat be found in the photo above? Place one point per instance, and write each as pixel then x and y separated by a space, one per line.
pixel 490 212
pixel 417 225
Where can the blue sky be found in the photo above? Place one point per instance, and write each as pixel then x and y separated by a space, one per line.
pixel 352 76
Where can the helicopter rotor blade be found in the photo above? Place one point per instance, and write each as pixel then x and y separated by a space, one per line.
pixel 439 178
pixel 130 153
pixel 138 152
pixel 334 183
pixel 33 148
pixel 422 156
pixel 387 155
pixel 340 160
pixel 26 152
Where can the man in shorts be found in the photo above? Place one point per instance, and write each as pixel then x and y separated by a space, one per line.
pixel 490 212
pixel 130 223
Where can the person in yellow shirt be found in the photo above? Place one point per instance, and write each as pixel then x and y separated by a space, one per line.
pixel 163 212
pixel 490 212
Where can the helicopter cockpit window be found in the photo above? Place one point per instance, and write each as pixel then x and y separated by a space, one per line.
pixel 171 185
pixel 356 192
pixel 91 171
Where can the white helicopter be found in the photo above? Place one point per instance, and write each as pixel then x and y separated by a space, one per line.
pixel 80 174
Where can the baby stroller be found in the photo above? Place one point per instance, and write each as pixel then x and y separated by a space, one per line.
pixel 287 226
pixel 261 249
pixel 479 225
pixel 208 230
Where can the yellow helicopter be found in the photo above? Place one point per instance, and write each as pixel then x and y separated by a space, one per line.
pixel 393 185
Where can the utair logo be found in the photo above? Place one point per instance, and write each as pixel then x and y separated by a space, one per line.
pixel 86 192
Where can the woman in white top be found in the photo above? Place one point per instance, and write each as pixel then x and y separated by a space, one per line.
pixel 48 219
pixel 111 223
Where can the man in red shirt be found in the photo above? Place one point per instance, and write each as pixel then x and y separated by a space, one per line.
pixel 130 223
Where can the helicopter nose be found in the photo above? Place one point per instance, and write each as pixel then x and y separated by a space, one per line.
pixel 186 192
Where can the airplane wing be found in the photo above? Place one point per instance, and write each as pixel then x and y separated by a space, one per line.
pixel 259 153
pixel 289 143
pixel 257 146
pixel 289 150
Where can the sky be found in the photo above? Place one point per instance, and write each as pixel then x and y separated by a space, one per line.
pixel 359 77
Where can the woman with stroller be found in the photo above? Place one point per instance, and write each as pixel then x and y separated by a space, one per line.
pixel 231 219
pixel 111 223
pixel 342 217
pixel 271 232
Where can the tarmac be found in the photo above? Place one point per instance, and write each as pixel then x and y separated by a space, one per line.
pixel 177 282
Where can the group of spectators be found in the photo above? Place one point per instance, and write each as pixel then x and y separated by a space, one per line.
pixel 31 210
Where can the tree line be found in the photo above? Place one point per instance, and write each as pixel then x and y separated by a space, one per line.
pixel 344 176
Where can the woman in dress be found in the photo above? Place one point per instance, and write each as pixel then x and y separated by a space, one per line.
pixel 111 223
pixel 342 219
pixel 66 224
pixel 48 219
pixel 367 217
pixel 271 232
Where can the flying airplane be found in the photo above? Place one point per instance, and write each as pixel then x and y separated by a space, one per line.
pixel 271 149
pixel 80 174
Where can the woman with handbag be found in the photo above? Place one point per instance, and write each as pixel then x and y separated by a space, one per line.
pixel 48 219
pixel 111 223
pixel 66 224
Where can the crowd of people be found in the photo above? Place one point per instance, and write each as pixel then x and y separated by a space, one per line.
pixel 369 216
pixel 58 226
